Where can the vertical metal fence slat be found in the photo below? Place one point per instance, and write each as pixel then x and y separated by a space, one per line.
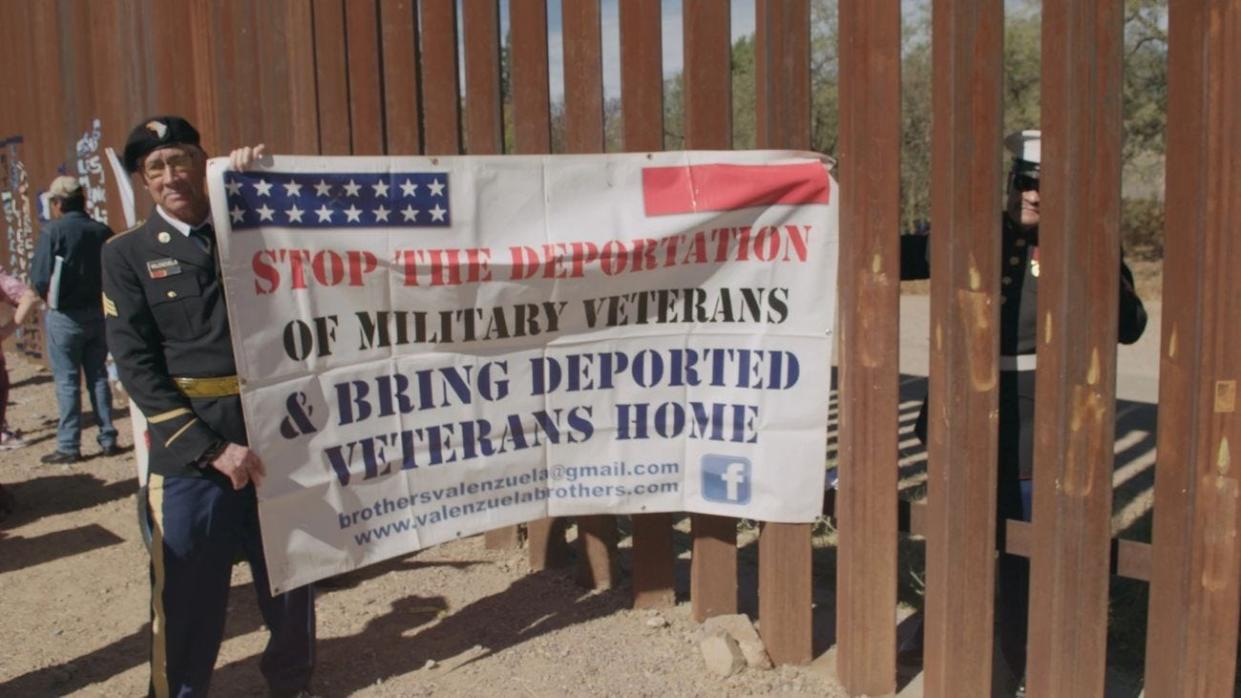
pixel 170 97
pixel 232 58
pixel 532 135
pixel 76 80
pixel 398 33
pixel 332 77
pixel 134 61
pixel 303 93
pixel 16 101
pixel 782 73
pixel 167 88
pixel 269 36
pixel 112 87
pixel 1191 639
pixel 869 301
pixel 531 91
pixel 708 126
pixel 10 123
pixel 9 90
pixel 484 117
pixel 45 148
pixel 286 75
pixel 583 103
pixel 1074 430
pixel 366 122
pixel 965 261
pixel 438 70
pixel 642 81
pixel 485 135
pixel 24 40
pixel 782 84
pixel 583 76
pixel 642 122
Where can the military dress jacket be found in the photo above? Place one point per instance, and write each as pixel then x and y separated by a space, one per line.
pixel 166 318
pixel 1019 336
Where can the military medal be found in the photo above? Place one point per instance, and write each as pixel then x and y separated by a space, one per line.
pixel 160 268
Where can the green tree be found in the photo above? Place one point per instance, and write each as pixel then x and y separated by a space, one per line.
pixel 745 126
pixel 1023 32
pixel 824 75
pixel 916 78
pixel 674 113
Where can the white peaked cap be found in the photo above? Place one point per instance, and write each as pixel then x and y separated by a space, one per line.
pixel 1025 145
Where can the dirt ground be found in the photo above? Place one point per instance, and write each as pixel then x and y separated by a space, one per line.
pixel 455 619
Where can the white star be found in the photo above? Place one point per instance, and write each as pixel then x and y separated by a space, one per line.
pixel 325 214
pixel 294 214
pixel 437 213
pixel 408 188
pixel 238 213
pixel 265 214
pixel 351 189
pixel 409 212
pixel 436 187
pixel 381 189
pixel 292 189
pixel 263 187
pixel 234 187
pixel 323 189
pixel 353 214
pixel 381 214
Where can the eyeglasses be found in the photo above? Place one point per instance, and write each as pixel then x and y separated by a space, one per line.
pixel 1025 183
pixel 173 162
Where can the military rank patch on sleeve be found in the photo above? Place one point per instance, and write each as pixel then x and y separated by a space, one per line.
pixel 109 307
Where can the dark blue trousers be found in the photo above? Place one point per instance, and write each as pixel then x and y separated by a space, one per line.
pixel 199 525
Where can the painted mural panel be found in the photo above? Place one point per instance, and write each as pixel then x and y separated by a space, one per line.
pixel 90 172
pixel 19 234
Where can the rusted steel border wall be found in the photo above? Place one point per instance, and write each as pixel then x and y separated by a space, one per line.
pixel 384 76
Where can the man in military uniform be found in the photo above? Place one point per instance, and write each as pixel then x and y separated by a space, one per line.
pixel 1018 349
pixel 167 327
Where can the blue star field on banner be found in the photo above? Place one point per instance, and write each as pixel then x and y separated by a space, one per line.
pixel 338 200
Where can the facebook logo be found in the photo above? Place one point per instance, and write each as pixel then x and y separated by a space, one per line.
pixel 726 479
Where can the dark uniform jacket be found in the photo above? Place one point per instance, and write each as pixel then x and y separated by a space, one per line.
pixel 78 239
pixel 166 317
pixel 1018 336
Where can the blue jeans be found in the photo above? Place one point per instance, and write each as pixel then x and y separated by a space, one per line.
pixel 1027 500
pixel 76 345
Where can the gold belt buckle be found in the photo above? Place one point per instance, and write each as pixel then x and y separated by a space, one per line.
pixel 220 386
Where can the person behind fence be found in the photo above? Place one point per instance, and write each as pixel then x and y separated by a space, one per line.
pixel 169 333
pixel 17 302
pixel 1018 349
pixel 65 273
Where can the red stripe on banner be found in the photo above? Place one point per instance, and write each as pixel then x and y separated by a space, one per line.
pixel 695 188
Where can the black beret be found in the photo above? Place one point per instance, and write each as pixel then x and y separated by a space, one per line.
pixel 155 133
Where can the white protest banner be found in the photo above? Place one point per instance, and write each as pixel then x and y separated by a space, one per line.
pixel 429 347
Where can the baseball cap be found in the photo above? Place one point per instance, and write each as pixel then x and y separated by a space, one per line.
pixel 64 187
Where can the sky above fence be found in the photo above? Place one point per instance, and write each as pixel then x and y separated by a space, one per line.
pixel 741 19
